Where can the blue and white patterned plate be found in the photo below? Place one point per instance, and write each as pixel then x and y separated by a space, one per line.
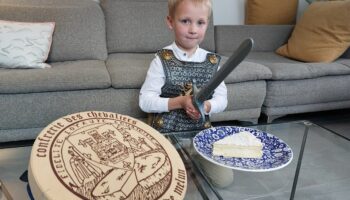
pixel 276 153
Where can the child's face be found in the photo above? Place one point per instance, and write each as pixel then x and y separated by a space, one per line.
pixel 189 24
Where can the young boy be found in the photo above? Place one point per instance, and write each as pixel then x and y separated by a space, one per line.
pixel 166 91
pixel 167 87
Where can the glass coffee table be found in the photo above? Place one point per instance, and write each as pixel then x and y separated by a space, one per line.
pixel 320 168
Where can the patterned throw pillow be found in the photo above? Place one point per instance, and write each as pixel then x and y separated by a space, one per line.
pixel 25 44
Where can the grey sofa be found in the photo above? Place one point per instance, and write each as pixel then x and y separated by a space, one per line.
pixel 295 87
pixel 101 52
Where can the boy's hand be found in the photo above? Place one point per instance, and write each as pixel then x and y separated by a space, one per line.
pixel 191 111
pixel 207 107
pixel 186 103
pixel 188 106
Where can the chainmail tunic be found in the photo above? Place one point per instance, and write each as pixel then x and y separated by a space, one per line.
pixel 180 76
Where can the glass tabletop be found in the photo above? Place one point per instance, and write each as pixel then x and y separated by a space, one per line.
pixel 14 162
pixel 319 169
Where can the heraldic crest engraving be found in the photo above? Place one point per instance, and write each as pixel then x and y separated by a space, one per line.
pixel 104 155
pixel 107 161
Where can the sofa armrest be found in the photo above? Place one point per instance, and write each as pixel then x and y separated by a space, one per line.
pixel 266 37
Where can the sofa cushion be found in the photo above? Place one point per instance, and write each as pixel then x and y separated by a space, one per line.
pixel 266 37
pixel 303 108
pixel 247 71
pixel 268 57
pixel 245 100
pixel 134 74
pixel 39 109
pixel 271 11
pixel 128 70
pixel 345 62
pixel 286 69
pixel 139 26
pixel 80 26
pixel 62 76
pixel 307 91
pixel 321 35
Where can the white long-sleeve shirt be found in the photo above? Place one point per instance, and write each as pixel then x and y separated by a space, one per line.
pixel 150 100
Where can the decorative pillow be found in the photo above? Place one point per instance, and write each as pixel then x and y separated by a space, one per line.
pixel 24 44
pixel 271 11
pixel 321 35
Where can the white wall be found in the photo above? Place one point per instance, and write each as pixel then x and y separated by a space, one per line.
pixel 231 12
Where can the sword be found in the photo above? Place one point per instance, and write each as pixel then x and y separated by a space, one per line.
pixel 199 96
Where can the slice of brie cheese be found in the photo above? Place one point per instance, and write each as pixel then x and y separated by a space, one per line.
pixel 242 145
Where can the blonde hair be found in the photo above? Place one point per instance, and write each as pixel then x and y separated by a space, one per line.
pixel 173 4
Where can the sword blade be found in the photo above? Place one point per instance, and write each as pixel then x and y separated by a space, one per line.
pixel 237 57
